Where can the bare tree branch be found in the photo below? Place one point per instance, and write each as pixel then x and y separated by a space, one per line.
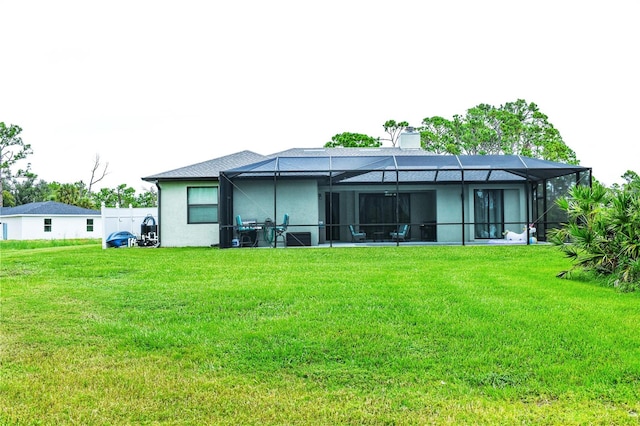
pixel 95 172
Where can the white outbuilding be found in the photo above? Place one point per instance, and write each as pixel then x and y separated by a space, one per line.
pixel 49 220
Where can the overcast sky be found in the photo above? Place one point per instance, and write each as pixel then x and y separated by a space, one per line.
pixel 152 86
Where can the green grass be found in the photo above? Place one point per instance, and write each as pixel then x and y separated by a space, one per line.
pixel 31 244
pixel 365 335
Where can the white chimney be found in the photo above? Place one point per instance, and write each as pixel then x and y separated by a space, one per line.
pixel 410 139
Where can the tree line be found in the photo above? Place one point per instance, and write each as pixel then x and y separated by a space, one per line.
pixel 513 128
pixel 22 186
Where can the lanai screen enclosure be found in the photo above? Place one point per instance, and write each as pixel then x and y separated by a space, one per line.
pixel 443 198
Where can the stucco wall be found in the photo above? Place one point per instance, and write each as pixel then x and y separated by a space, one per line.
pixel 174 229
pixel 12 228
pixel 448 203
pixel 299 199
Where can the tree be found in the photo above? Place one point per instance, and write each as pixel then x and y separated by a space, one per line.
pixel 441 136
pixel 394 129
pixel 148 198
pixel 74 194
pixel 124 196
pixel 12 149
pixel 353 140
pixel 30 190
pixel 513 128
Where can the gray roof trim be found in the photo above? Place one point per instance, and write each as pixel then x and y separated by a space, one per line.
pixel 208 169
pixel 47 208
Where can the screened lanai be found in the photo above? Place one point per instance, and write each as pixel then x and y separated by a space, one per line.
pixel 453 199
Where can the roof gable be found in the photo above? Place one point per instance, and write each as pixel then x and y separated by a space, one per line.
pixel 208 169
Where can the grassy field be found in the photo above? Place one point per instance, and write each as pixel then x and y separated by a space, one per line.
pixel 365 335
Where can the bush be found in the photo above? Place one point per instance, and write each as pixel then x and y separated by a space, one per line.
pixel 603 232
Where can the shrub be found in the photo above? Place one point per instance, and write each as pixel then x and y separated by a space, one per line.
pixel 603 232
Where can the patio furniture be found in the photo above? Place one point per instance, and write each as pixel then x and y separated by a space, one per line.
pixel 247 234
pixel 279 230
pixel 401 234
pixel 356 236
pixel 298 239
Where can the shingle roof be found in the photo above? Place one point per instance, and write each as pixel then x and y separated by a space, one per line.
pixel 208 169
pixel 47 208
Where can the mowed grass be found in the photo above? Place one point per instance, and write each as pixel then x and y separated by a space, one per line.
pixel 364 335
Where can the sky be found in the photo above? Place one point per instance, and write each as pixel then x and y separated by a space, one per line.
pixel 151 86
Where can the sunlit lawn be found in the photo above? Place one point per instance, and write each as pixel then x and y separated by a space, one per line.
pixel 365 335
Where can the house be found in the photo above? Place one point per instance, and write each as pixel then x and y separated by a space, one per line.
pixel 49 220
pixel 188 200
pixel 327 193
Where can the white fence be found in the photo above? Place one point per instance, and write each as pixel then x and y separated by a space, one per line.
pixel 130 219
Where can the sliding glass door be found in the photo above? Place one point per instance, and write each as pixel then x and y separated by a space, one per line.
pixel 489 213
pixel 378 213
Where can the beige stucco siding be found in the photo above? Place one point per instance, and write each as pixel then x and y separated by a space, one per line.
pixel 174 229
pixel 299 199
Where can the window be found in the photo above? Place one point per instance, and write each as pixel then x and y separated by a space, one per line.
pixel 89 225
pixel 489 213
pixel 202 205
pixel 47 225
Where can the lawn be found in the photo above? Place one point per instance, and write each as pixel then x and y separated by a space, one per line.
pixel 364 335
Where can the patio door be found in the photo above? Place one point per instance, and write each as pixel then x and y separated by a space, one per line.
pixel 489 213
pixel 378 212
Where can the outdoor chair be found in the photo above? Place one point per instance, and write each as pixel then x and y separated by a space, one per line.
pixel 246 234
pixel 357 236
pixel 279 230
pixel 402 233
